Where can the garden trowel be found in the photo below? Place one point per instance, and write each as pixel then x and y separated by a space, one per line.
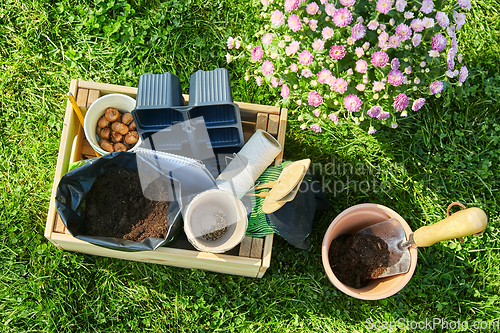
pixel 463 223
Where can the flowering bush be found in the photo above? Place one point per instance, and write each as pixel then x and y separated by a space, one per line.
pixel 355 60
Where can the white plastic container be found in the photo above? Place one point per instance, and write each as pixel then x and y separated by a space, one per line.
pixel 122 103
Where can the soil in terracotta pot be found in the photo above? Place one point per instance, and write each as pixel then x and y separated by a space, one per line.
pixel 116 207
pixel 355 259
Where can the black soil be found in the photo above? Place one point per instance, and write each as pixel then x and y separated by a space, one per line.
pixel 116 207
pixel 355 259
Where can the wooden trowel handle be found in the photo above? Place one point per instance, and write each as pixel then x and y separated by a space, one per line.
pixel 462 223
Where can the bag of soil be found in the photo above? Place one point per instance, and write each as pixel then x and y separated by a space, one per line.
pixel 121 201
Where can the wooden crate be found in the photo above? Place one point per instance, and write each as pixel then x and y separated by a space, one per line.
pixel 251 258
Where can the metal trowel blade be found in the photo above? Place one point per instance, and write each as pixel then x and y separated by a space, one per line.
pixel 393 233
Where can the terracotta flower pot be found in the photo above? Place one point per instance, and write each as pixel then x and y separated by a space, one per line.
pixel 351 221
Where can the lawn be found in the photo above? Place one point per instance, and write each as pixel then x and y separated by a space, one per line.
pixel 449 151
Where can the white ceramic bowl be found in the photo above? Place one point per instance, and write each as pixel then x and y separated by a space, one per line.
pixel 199 219
pixel 122 103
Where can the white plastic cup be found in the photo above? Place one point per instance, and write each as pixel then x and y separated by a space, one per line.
pixel 122 103
pixel 199 218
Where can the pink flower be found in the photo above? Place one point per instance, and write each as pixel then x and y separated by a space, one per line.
pixel 417 25
pixel 380 58
pixel 267 67
pixel 383 115
pixel 395 63
pixel 303 126
pixel 334 117
pixel 294 68
pixel 442 19
pixel 372 130
pixel 314 98
pixel 383 37
pixel 237 44
pixel 330 9
pixel 395 77
pixel 306 57
pixel 343 17
pixel 264 2
pixel 313 24
pixel 373 25
pixel 312 8
pixel 428 22
pixel 291 5
pixel 318 44
pixel 327 33
pixel 257 53
pixel 416 40
pixel 439 42
pixel 384 6
pixel 230 43
pixel 464 73
pixel 258 79
pixel 358 31
pixel 408 70
pixel 400 5
pixel 337 52
pixel 378 86
pixel 294 23
pixel 228 58
pixel 460 19
pixel 323 75
pixel 417 104
pixel 292 48
pixel 267 38
pixel 347 3
pixel 436 87
pixel 401 102
pixel 359 52
pixel 306 72
pixel 374 111
pixel 316 128
pixel 403 31
pixel 276 18
pixel 316 112
pixel 427 6
pixel 285 91
pixel 274 82
pixel 352 103
pixel 361 66
pixel 394 42
pixel 464 4
pixel 360 87
pixel 340 85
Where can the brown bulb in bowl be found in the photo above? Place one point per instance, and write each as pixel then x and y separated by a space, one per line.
pixel 116 137
pixel 131 126
pixel 107 146
pixel 127 118
pixel 132 137
pixel 105 133
pixel 120 128
pixel 103 122
pixel 112 114
pixel 120 147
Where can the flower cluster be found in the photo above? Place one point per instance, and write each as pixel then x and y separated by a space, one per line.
pixel 347 60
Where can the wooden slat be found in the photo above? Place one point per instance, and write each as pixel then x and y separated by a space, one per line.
pixel 257 244
pixel 70 127
pixel 87 149
pixel 245 247
pixel 81 99
pixel 281 135
pixel 266 255
pixel 93 96
pixel 273 124
pixel 105 88
pixel 261 122
pixel 59 225
pixel 228 264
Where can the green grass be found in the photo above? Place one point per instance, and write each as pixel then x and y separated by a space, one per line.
pixel 450 152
